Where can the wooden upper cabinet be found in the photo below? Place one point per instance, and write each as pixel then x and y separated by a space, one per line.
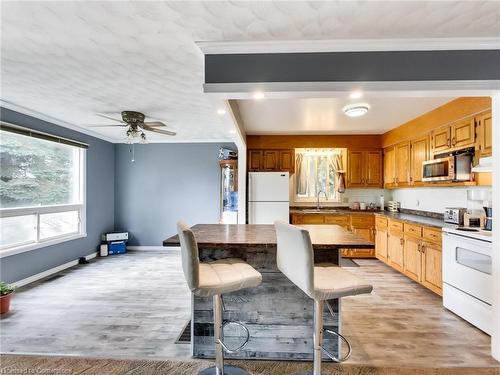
pixel 485 134
pixel 255 160
pixel 419 153
pixel 373 168
pixel 364 169
pixel 271 160
pixel 389 167
pixel 441 139
pixel 463 134
pixel 403 164
pixel 287 161
pixel 355 169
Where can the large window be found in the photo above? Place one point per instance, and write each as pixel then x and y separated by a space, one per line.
pixel 316 171
pixel 41 190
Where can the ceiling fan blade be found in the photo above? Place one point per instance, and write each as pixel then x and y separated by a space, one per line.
pixel 165 132
pixel 110 118
pixel 106 126
pixel 154 123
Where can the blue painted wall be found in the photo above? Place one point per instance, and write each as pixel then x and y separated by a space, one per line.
pixel 167 182
pixel 100 203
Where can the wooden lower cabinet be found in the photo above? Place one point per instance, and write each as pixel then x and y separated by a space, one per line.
pixel 432 273
pixel 395 250
pixel 381 243
pixel 412 258
pixel 414 250
pixel 363 225
pixel 308 219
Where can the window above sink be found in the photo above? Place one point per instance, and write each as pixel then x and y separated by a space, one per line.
pixel 317 171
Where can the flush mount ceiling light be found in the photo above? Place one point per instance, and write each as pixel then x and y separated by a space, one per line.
pixel 356 110
pixel 221 111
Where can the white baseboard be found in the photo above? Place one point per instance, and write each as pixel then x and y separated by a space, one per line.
pixel 150 248
pixel 49 272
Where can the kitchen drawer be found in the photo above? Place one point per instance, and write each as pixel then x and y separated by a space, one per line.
pixel 362 221
pixel 413 229
pixel 380 222
pixel 396 225
pixel 338 220
pixel 433 235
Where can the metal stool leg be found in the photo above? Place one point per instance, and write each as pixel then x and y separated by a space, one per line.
pixel 318 336
pixel 318 339
pixel 219 368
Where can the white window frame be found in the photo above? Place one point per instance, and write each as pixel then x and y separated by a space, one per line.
pixel 38 243
pixel 309 200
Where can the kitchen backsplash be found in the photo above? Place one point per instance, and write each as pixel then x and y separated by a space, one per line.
pixel 354 195
pixel 421 199
pixel 365 195
pixel 436 199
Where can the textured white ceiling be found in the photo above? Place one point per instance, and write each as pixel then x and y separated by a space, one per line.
pixel 70 60
pixel 325 115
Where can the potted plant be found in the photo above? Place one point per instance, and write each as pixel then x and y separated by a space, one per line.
pixel 6 292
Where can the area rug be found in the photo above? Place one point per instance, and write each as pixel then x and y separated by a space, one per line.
pixel 27 364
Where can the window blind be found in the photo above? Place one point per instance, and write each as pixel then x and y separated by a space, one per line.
pixel 4 126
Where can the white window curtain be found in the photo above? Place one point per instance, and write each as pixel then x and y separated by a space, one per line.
pixel 318 170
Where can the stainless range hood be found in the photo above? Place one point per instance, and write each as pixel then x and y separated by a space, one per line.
pixel 485 165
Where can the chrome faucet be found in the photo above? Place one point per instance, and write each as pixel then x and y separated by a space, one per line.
pixel 317 196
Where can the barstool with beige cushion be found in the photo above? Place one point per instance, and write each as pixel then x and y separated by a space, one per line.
pixel 212 279
pixel 321 282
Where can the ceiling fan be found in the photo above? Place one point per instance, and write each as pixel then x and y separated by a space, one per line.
pixel 136 126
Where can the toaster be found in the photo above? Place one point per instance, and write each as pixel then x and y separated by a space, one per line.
pixel 454 215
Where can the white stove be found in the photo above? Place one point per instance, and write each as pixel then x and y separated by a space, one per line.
pixel 480 234
pixel 467 281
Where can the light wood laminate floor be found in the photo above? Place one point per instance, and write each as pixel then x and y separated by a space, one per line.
pixel 135 305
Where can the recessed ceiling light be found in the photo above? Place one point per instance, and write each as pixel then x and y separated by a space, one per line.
pixel 232 131
pixel 258 95
pixel 221 111
pixel 356 95
pixel 356 110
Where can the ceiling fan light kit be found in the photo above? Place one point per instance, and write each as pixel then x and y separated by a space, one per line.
pixel 136 126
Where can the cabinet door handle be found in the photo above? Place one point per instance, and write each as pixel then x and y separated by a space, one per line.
pixel 453 141
pixel 448 143
pixel 397 180
pixel 423 249
pixel 401 241
pixel 419 247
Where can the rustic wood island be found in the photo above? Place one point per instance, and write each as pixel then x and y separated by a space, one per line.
pixel 278 315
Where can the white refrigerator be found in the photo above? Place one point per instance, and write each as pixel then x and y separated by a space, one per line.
pixel 268 197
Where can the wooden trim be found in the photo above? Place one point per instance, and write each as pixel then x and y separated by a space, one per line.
pixel 354 142
pixel 447 114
